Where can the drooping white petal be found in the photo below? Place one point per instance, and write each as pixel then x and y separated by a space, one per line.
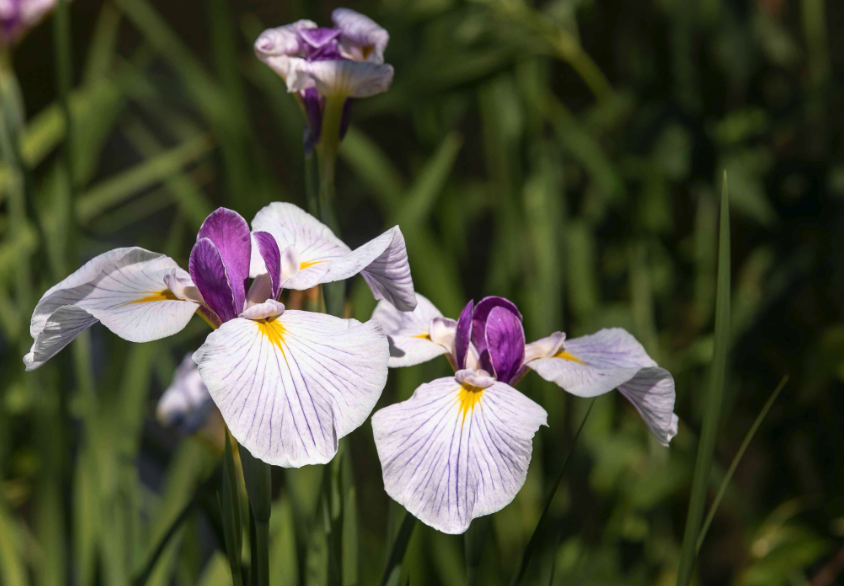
pixel 323 258
pixel 343 79
pixel 450 454
pixel 313 241
pixel 124 289
pixel 186 403
pixel 415 336
pixel 290 387
pixel 596 364
pixel 276 46
pixel 612 358
pixel 652 393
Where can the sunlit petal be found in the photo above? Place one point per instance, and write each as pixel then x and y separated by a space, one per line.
pixel 124 289
pixel 289 388
pixel 652 393
pixel 346 79
pixel 415 336
pixel 450 453
pixel 229 233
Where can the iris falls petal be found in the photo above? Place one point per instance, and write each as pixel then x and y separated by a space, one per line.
pixel 450 453
pixel 415 336
pixel 124 289
pixel 290 387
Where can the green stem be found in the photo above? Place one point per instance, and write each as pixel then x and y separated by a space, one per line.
pixel 258 478
pixel 262 564
pixel 312 184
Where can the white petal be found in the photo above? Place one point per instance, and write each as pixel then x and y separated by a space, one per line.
pixel 383 263
pixel 289 388
pixel 275 46
pixel 596 364
pixel 347 79
pixel 125 289
pixel 267 309
pixel 186 403
pixel 410 332
pixel 449 454
pixel 652 393
pixel 314 242
pixel 363 39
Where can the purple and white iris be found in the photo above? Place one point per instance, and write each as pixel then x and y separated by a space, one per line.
pixel 18 16
pixel 288 384
pixel 460 447
pixel 342 62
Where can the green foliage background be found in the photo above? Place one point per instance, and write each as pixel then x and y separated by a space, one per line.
pixel 565 154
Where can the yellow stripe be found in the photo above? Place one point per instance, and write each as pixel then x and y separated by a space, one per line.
pixel 469 397
pixel 273 331
pixel 425 336
pixel 566 356
pixel 309 263
pixel 166 295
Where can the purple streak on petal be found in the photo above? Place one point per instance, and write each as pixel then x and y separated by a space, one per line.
pixel 319 37
pixel 209 275
pixel 346 118
pixel 485 306
pixel 463 335
pixel 505 340
pixel 268 248
pixel 313 108
pixel 231 236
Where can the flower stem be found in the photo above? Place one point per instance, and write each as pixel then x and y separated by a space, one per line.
pixel 329 142
pixel 258 478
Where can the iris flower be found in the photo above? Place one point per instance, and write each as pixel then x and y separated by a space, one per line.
pixel 344 61
pixel 460 447
pixel 288 384
pixel 18 16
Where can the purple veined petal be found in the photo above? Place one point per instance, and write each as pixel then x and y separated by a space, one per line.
pixel 209 275
pixel 452 453
pixel 230 234
pixel 415 336
pixel 463 335
pixel 124 289
pixel 486 305
pixel 505 340
pixel 363 39
pixel 268 248
pixel 652 393
pixel 291 387
pixel 318 37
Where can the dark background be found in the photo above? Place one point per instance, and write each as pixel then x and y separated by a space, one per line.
pixel 565 154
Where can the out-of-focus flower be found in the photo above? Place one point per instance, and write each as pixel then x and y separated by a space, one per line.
pixel 319 64
pixel 460 447
pixel 289 384
pixel 186 403
pixel 18 16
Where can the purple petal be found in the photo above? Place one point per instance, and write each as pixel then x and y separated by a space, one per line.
pixel 268 248
pixel 505 339
pixel 319 37
pixel 486 305
pixel 231 236
pixel 209 275
pixel 463 335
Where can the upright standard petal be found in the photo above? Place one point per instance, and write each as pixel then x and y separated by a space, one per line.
pixel 230 234
pixel 290 387
pixel 463 336
pixel 415 336
pixel 209 274
pixel 124 289
pixel 452 453
pixel 479 319
pixel 271 255
pixel 336 78
pixel 363 39
pixel 612 358
pixel 505 339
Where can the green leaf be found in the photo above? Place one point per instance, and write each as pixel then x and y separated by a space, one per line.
pixel 392 572
pixel 712 401
pixel 533 542
pixel 230 506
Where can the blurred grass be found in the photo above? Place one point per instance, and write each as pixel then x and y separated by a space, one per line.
pixel 564 153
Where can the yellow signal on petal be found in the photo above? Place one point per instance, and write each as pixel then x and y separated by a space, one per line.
pixel 468 397
pixel 566 356
pixel 309 263
pixel 273 331
pixel 423 336
pixel 165 295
